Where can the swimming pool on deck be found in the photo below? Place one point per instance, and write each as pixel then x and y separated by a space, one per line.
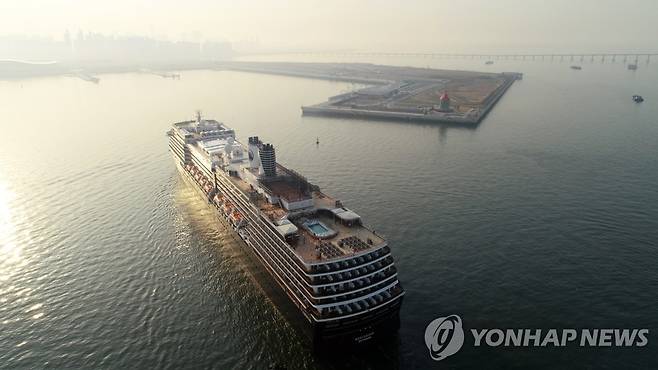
pixel 319 229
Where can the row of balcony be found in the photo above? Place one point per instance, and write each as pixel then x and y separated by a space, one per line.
pixel 348 263
pixel 383 279
pixel 359 306
pixel 365 269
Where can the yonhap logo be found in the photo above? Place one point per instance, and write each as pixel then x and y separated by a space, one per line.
pixel 444 337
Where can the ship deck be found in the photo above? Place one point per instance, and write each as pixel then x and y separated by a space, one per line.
pixel 348 240
pixel 310 248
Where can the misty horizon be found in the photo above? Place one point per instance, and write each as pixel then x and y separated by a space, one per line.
pixel 474 26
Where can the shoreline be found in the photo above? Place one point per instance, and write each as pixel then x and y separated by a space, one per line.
pixel 16 71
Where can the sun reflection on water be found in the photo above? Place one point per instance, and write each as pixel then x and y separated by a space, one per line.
pixel 10 251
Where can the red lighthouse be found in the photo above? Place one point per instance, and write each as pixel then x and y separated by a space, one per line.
pixel 444 102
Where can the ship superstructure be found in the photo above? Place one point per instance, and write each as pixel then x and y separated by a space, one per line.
pixel 338 272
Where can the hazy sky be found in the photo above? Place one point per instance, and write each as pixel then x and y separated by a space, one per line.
pixel 384 25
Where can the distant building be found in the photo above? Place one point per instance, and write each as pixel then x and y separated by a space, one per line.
pixel 110 50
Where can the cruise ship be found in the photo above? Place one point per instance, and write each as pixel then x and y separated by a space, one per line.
pixel 338 273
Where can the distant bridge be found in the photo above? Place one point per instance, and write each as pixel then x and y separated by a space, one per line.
pixel 582 57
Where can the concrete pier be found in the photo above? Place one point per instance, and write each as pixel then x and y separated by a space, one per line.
pixel 397 93
pixel 471 118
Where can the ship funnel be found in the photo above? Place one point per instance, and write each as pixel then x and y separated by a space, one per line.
pixel 268 160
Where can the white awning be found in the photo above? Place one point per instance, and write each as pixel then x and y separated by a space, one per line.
pixel 287 229
pixel 345 214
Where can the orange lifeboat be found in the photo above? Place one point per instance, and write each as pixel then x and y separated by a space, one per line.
pixel 235 217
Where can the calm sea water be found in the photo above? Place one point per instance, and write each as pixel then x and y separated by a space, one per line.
pixel 544 216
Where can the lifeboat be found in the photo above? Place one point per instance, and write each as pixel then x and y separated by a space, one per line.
pixel 218 199
pixel 207 188
pixel 235 217
pixel 188 167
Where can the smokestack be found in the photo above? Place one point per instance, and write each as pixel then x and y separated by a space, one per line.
pixel 268 160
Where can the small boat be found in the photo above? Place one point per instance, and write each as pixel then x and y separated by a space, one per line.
pixel 489 62
pixel 578 68
pixel 638 98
